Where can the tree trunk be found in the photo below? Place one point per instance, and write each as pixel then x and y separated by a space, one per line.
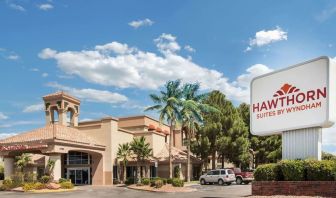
pixel 188 158
pixel 213 158
pixel 138 173
pixel 222 160
pixel 170 150
pixel 124 172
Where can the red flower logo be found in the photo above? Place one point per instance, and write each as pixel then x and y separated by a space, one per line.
pixel 286 89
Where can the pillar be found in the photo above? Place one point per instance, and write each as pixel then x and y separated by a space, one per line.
pixel 8 166
pixel 302 143
pixel 57 171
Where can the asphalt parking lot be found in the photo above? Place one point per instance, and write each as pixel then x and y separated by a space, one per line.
pixel 205 191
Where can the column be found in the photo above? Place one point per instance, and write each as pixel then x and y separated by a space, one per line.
pixel 57 171
pixel 302 143
pixel 9 166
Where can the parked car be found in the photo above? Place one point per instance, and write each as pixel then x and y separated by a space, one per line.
pixel 220 176
pixel 243 177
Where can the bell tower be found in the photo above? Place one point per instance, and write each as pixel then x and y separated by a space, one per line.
pixel 61 108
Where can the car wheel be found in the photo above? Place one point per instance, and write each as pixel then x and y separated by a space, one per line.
pixel 228 183
pixel 239 181
pixel 220 182
pixel 203 182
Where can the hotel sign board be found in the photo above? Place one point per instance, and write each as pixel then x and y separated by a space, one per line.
pixel 22 147
pixel 297 97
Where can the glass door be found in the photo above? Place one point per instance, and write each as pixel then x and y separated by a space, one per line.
pixel 79 176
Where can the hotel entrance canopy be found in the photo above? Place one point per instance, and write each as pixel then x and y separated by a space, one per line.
pixel 49 139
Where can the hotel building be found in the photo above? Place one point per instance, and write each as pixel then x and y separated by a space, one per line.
pixel 86 152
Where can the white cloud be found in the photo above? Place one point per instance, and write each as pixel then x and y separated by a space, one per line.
pixel 139 23
pixel 19 123
pixel 6 135
pixel 91 95
pixel 115 47
pixel 85 120
pixel 44 75
pixel 17 7
pixel 166 43
pixel 45 6
pixel 33 108
pixel 264 37
pixel 34 70
pixel 147 70
pixel 13 57
pixel 326 14
pixel 3 116
pixel 189 48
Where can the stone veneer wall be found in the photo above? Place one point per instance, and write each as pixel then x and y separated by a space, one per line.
pixel 297 188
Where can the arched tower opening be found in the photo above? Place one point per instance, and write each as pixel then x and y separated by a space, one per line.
pixel 61 108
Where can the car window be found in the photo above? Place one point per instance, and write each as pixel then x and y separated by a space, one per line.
pixel 216 172
pixel 229 171
pixel 210 173
pixel 222 172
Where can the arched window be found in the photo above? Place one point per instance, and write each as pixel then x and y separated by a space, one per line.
pixel 54 115
pixel 70 117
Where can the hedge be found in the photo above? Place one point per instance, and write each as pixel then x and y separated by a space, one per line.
pixel 176 182
pixel 320 170
pixel 293 170
pixel 266 172
pixel 297 170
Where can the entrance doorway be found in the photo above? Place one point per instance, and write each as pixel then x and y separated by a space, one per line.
pixel 79 176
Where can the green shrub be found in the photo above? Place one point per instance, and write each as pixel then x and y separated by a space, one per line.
pixel 45 179
pixel 39 186
pixel 30 177
pixel 67 185
pixel 169 181
pixel 61 180
pixel 158 183
pixel 176 182
pixel 267 172
pixel 28 186
pixel 293 170
pixel 17 179
pixel 177 172
pixel 164 180
pixel 145 181
pixel 7 184
pixel 3 188
pixel 320 170
pixel 129 181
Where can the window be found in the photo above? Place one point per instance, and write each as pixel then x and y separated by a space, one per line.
pixel 210 173
pixel 222 172
pixel 216 172
pixel 229 171
pixel 74 157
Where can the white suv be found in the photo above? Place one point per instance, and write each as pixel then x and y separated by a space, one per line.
pixel 220 176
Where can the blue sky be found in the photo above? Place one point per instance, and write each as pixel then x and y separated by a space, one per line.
pixel 112 54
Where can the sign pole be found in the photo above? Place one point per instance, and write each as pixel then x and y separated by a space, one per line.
pixel 302 144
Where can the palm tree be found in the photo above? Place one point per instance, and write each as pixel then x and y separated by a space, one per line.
pixel 192 110
pixel 168 105
pixel 22 161
pixel 124 151
pixel 51 166
pixel 142 151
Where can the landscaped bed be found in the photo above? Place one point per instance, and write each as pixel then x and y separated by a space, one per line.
pixel 296 177
pixel 165 188
pixel 42 185
pixel 160 185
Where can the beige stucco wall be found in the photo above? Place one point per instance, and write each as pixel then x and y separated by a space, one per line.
pixel 102 132
pixel 158 143
pixel 119 137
